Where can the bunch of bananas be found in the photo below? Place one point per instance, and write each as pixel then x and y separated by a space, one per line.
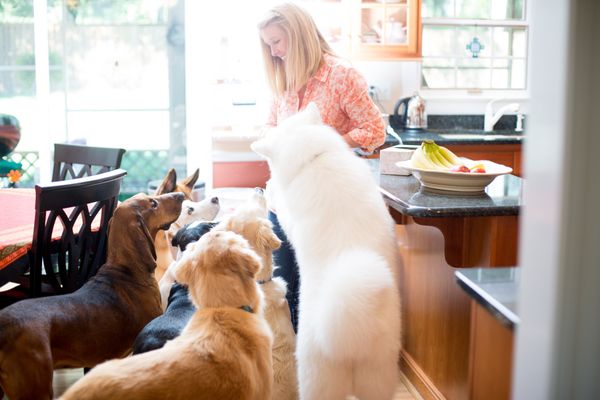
pixel 434 157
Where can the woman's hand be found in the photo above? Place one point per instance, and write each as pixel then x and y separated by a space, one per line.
pixel 350 141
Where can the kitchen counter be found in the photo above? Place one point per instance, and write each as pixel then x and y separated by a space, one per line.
pixel 494 294
pixel 455 136
pixel 405 194
pixel 496 289
pixel 439 233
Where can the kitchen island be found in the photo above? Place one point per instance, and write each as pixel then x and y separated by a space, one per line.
pixel 439 232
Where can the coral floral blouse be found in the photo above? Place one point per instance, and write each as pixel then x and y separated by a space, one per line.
pixel 340 93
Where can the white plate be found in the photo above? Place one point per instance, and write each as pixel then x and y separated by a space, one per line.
pixel 457 181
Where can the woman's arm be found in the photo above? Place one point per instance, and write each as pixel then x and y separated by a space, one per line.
pixel 368 128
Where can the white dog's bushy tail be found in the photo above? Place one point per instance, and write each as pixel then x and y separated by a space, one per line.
pixel 358 298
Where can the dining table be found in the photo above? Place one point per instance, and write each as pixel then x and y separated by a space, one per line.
pixel 17 214
pixel 17 218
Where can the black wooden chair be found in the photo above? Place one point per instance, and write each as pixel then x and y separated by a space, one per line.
pixel 59 265
pixel 75 161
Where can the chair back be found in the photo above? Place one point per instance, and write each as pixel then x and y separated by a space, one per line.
pixel 80 210
pixel 73 161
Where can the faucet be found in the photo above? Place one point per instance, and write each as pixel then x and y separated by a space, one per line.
pixel 490 118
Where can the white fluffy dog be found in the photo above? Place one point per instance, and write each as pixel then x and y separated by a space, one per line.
pixel 330 207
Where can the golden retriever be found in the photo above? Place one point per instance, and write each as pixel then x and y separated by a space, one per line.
pixel 250 221
pixel 223 353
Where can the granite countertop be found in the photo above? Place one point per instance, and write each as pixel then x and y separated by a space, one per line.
pixel 502 197
pixel 455 136
pixel 458 129
pixel 496 289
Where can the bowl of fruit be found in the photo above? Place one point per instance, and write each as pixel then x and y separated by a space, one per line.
pixel 437 167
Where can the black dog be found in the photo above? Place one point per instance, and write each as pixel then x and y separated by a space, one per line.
pixel 179 308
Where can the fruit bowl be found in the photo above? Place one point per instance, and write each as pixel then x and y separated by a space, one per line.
pixel 456 181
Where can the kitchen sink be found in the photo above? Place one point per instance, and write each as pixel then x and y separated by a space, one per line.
pixel 481 136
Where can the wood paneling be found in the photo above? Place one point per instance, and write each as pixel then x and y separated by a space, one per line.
pixel 436 312
pixel 491 356
pixel 505 154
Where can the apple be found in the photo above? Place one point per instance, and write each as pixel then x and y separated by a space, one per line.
pixel 460 168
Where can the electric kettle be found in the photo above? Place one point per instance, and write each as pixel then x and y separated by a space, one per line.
pixel 412 116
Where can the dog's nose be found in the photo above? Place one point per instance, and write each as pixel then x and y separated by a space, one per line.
pixel 214 200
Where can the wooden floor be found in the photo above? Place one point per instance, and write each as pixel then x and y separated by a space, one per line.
pixel 65 377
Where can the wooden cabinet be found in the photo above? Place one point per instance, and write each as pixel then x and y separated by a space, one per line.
pixel 370 29
pixel 438 343
pixel 491 356
pixel 505 154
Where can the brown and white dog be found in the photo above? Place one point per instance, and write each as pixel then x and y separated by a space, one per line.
pixel 100 320
pixel 169 184
pixel 224 352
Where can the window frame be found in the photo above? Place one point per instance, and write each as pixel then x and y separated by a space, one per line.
pixel 456 93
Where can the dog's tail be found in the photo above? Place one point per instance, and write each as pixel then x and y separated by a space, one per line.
pixel 359 306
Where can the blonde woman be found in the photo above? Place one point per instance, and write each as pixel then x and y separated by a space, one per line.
pixel 301 68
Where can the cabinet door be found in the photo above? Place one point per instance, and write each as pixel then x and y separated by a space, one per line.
pixel 370 29
pixel 505 154
pixel 386 29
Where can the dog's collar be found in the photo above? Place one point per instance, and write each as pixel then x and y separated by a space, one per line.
pixel 247 309
pixel 262 282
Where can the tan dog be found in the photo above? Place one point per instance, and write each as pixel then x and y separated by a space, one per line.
pixel 224 352
pixel 169 184
pixel 100 320
pixel 250 221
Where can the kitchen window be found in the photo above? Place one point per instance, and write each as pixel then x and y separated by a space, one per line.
pixel 474 44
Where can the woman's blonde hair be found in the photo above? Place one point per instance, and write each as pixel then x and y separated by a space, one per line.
pixel 306 47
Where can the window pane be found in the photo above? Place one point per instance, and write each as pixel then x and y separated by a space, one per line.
pixel 519 42
pixel 439 73
pixel 439 41
pixel 128 129
pixel 137 12
pixel 465 35
pixel 473 9
pixel 117 67
pixel 473 73
pixel 519 73
pixel 371 25
pixel 17 83
pixel 16 11
pixel 439 78
pixel 437 8
pixel 478 9
pixel 507 41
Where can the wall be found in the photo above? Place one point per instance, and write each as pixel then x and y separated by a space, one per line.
pixel 557 340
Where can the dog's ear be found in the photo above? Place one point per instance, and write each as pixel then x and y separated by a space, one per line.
pixel 249 261
pixel 263 147
pixel 267 238
pixel 177 238
pixel 190 181
pixel 168 184
pixel 184 270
